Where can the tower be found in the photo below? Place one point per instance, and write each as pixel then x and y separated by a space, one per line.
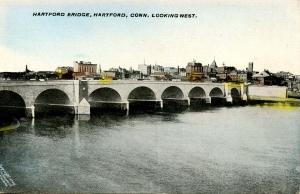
pixel 250 67
pixel 26 69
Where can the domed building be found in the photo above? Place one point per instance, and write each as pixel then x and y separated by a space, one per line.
pixel 213 66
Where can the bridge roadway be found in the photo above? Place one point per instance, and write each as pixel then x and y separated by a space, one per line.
pixel 83 94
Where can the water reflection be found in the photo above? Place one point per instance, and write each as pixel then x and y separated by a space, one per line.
pixel 53 127
pixel 279 106
pixel 76 139
pixel 8 125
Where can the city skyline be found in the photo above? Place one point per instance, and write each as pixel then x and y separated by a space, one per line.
pixel 233 32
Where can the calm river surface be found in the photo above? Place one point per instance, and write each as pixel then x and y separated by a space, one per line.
pixel 250 149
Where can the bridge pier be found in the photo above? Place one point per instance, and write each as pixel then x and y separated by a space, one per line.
pixel 229 99
pixel 208 100
pixel 127 107
pixel 83 108
pixel 32 125
pixel 30 112
pixel 244 92
pixel 161 102
pixel 188 101
pixel 245 97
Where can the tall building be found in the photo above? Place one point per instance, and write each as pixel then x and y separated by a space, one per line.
pixel 194 71
pixel 84 69
pixel 144 69
pixel 250 67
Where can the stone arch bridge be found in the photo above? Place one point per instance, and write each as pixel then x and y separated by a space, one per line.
pixel 81 94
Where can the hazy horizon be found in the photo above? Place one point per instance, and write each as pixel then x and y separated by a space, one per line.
pixel 233 32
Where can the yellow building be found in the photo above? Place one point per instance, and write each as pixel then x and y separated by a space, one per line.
pixel 61 71
pixel 194 71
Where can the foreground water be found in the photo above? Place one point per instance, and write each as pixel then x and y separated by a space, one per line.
pixel 251 149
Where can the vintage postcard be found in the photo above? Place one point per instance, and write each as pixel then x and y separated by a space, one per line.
pixel 157 96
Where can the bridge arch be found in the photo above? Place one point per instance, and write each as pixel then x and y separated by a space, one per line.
pixel 52 96
pixel 235 93
pixel 172 92
pixel 11 103
pixel 197 92
pixel 53 102
pixel 142 93
pixel 216 92
pixel 105 94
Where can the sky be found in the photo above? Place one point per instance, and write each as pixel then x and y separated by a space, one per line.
pixel 233 32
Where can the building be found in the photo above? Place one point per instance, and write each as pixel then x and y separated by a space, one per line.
pixel 118 73
pixel 221 69
pixel 83 69
pixel 182 72
pixel 156 69
pixel 157 76
pixel 232 76
pixel 226 73
pixel 267 78
pixel 111 75
pixel 212 69
pixel 194 71
pixel 285 75
pixel 14 76
pixel 144 69
pixel 133 74
pixel 46 75
pixel 206 70
pixel 242 76
pixel 64 72
pixel 171 70
pixel 250 67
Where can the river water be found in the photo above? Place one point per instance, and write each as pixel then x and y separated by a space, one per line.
pixel 248 149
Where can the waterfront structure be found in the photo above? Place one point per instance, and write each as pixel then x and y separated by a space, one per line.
pixel 267 93
pixel 84 69
pixel 71 93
